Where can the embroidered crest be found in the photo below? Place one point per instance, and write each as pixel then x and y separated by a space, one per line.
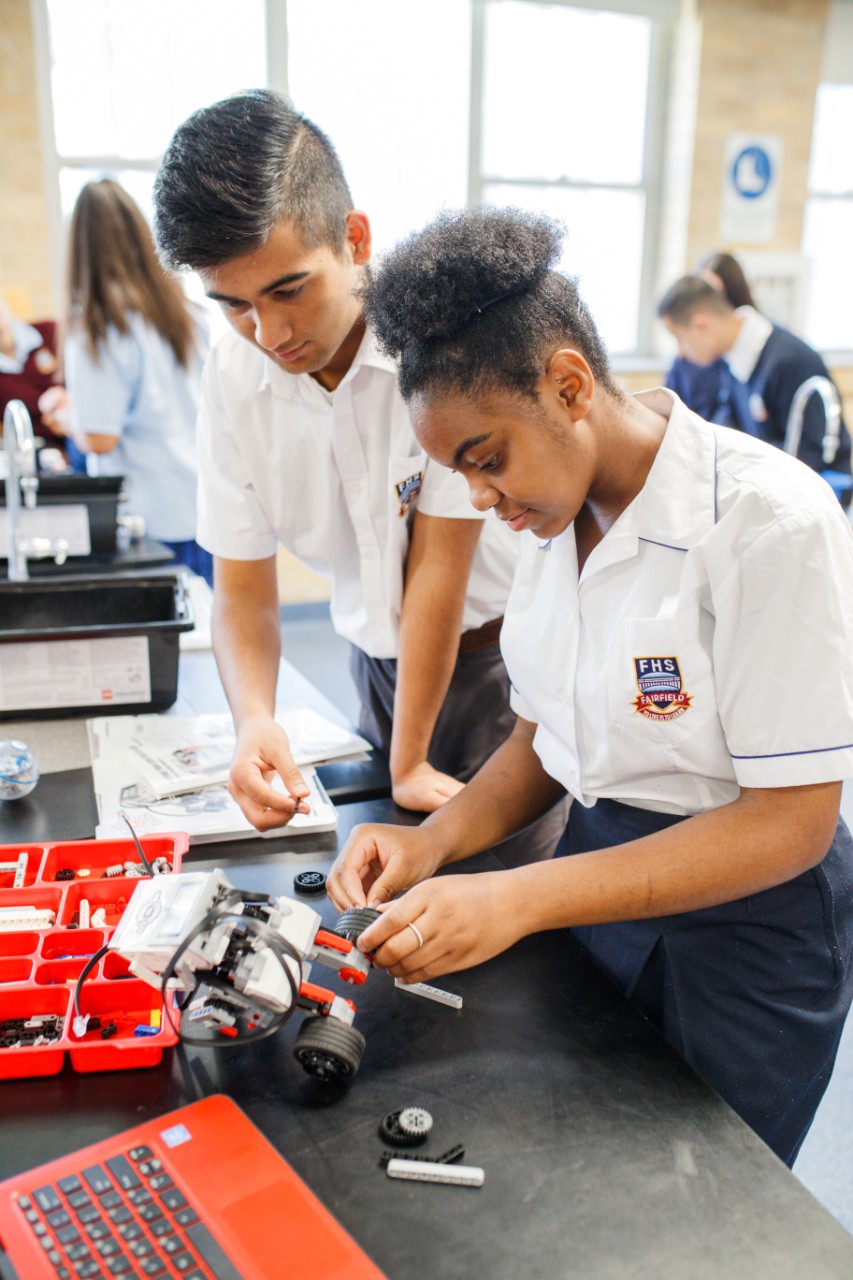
pixel 407 491
pixel 661 694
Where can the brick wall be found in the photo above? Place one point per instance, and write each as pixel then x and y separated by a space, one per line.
pixel 25 249
pixel 760 65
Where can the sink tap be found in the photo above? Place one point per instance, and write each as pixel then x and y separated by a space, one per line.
pixel 22 481
pixel 832 411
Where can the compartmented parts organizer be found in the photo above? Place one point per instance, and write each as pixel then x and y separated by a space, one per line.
pixel 46 941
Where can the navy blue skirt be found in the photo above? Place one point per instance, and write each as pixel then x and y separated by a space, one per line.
pixel 753 993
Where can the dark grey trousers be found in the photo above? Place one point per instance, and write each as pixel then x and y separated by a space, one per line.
pixel 474 721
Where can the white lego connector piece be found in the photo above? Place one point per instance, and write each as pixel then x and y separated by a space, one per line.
pixel 13 919
pixel 21 870
pixel 430 993
pixel 80 1024
pixel 455 1175
pixel 84 913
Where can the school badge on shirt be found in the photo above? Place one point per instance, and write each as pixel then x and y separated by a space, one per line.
pixel 661 694
pixel 407 490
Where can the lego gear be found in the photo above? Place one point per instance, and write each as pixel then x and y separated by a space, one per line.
pixel 390 1132
pixel 328 1049
pixel 310 882
pixel 414 1121
pixel 354 921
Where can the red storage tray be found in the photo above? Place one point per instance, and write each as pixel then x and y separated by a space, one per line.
pixel 39 967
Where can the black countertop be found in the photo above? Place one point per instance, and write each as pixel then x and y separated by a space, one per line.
pixel 605 1156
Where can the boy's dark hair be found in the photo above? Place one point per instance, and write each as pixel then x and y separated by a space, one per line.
pixel 233 170
pixel 689 296
pixel 470 304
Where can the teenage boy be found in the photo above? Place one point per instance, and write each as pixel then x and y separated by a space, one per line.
pixel 766 366
pixel 305 441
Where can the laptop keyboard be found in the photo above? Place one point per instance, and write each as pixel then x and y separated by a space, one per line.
pixel 124 1218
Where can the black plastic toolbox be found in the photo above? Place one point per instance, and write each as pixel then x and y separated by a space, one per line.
pixel 52 613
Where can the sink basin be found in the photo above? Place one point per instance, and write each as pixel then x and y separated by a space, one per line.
pixel 86 645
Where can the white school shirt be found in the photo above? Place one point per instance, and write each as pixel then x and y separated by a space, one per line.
pixel 335 477
pixel 708 645
pixel 137 391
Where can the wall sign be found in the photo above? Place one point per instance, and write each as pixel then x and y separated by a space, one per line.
pixel 750 195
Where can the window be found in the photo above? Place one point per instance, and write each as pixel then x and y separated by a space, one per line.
pixel 828 224
pixel 430 103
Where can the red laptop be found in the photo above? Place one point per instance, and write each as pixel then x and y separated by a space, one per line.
pixel 198 1193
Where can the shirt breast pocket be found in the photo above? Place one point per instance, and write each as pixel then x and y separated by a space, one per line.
pixel 661 681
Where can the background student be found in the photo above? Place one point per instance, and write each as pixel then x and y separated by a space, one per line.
pixel 28 365
pixel 679 586
pixel 705 388
pixel 765 365
pixel 305 441
pixel 133 357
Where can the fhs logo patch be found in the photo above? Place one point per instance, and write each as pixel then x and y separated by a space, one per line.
pixel 407 490
pixel 661 694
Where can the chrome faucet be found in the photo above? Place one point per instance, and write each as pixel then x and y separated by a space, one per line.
pixel 22 479
pixel 832 410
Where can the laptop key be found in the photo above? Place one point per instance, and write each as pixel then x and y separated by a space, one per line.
pixel 212 1253
pixel 97 1178
pixel 121 1214
pixel 91 1213
pixel 111 1200
pixel 173 1199
pixel 182 1262
pixel 79 1199
pixel 185 1216
pixel 98 1230
pixel 47 1199
pixel 88 1270
pixel 69 1184
pixel 171 1244
pixel 152 1266
pixel 118 1266
pixel 59 1218
pixel 139 1153
pixel 130 1230
pixel 68 1235
pixel 123 1172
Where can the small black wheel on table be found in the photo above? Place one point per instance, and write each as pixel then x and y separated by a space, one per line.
pixel 353 922
pixel 328 1049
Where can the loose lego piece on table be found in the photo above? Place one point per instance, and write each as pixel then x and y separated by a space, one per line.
pixel 390 1132
pixel 430 993
pixel 456 1175
pixel 414 1121
pixel 310 882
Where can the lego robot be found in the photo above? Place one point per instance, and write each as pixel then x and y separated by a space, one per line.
pixel 243 962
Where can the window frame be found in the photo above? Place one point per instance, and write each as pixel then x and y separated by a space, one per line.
pixel 662 14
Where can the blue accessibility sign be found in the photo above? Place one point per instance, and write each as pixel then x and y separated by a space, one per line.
pixel 752 172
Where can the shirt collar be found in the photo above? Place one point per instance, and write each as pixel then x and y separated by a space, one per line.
pixel 743 355
pixel 677 505
pixel 289 385
pixel 27 340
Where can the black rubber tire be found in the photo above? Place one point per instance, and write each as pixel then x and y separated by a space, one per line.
pixel 354 921
pixel 328 1049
